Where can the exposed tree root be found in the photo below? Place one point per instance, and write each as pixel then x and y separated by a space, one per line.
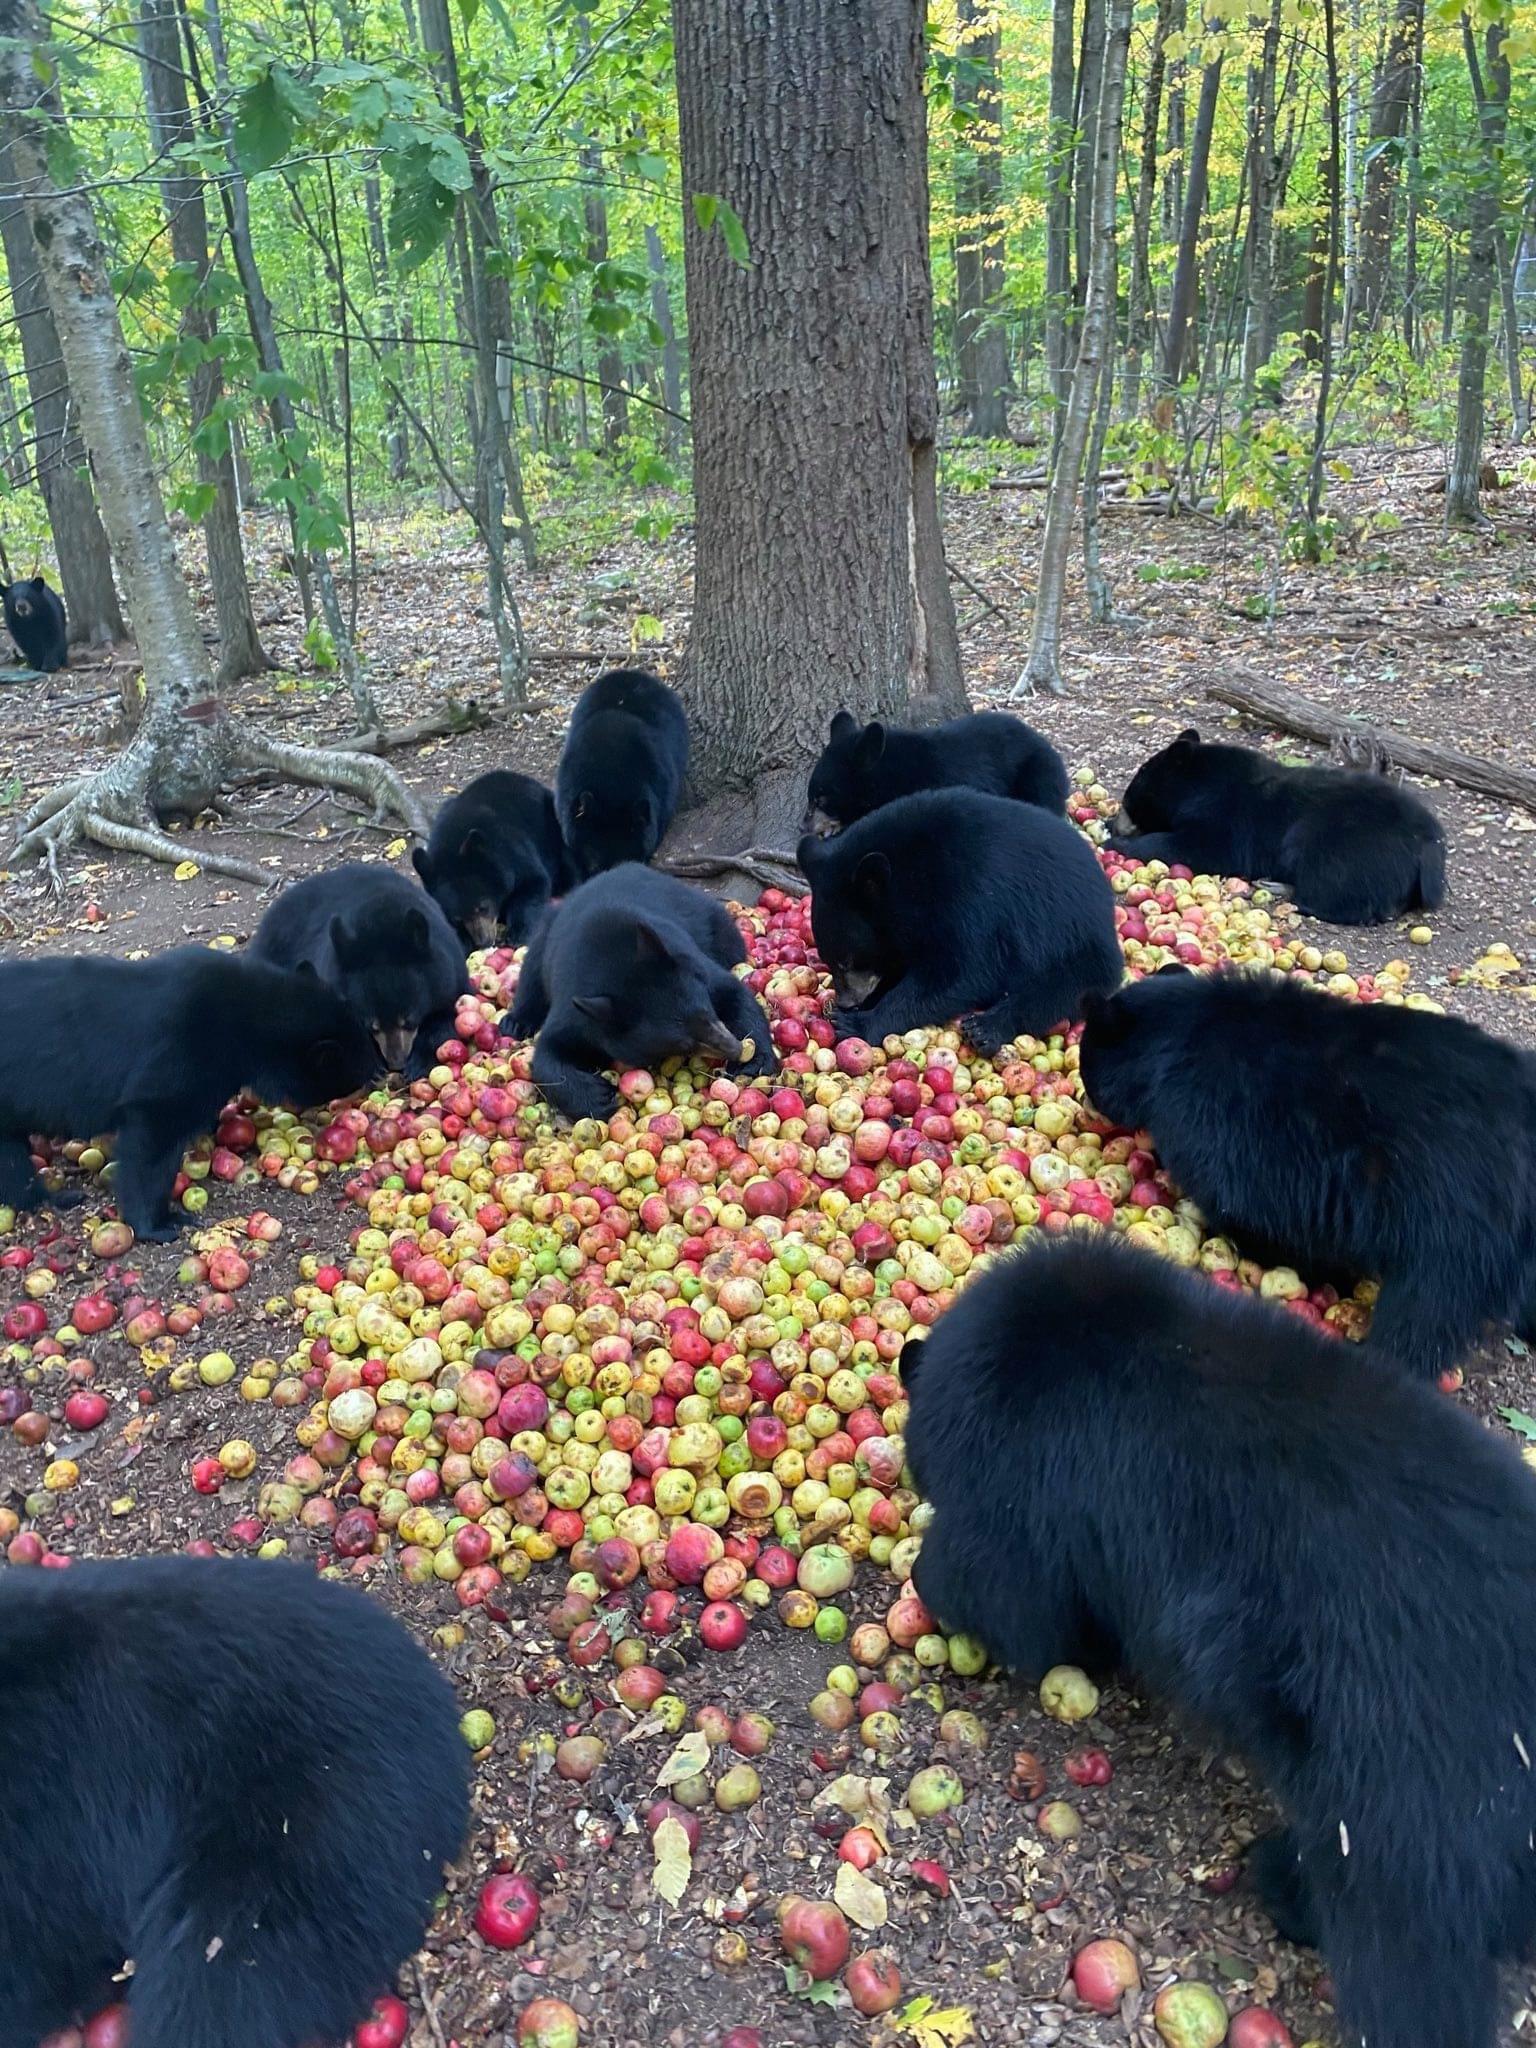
pixel 1043 675
pixel 157 845
pixel 448 719
pixel 764 865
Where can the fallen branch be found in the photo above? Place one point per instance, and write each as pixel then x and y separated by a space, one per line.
pixel 1040 480
pixel 448 720
pixel 975 589
pixel 764 865
pixel 1292 712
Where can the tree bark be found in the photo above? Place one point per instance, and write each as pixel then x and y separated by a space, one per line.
pixel 1181 303
pixel 188 744
pixel 1090 79
pixel 1265 169
pixel 158 31
pixel 671 353
pixel 610 357
pixel 820 579
pixel 1058 204
pixel 1138 318
pixel 1043 669
pixel 981 346
pixel 1330 283
pixel 58 459
pixel 1490 88
pixel 1390 101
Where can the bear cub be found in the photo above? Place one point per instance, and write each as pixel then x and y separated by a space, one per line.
pixel 862 767
pixel 153 1050
pixel 371 934
pixel 1351 848
pixel 954 904
pixel 631 969
pixel 621 770
pixel 34 618
pixel 1327 1567
pixel 1323 1134
pixel 494 859
pixel 182 1802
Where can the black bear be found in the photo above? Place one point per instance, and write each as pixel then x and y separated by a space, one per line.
pixel 954 904
pixel 153 1049
pixel 632 968
pixel 381 942
pixel 1351 848
pixel 199 1736
pixel 1342 1138
pixel 34 618
pixel 1326 1566
pixel 862 767
pixel 621 770
pixel 494 859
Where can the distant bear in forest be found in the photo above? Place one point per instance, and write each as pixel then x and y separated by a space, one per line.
pixel 198 1735
pixel 621 770
pixel 1327 1566
pixel 34 618
pixel 153 1049
pixel 633 968
pixel 1345 1139
pixel 954 904
pixel 494 859
pixel 862 767
pixel 381 942
pixel 1351 848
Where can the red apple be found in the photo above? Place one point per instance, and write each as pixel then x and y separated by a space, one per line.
pixel 814 1934
pixel 874 1983
pixel 1103 1972
pixel 508 1911
pixel 386 2026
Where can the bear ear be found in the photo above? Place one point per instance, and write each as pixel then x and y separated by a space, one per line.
pixel 598 1008
pixel 843 723
pixel 421 861
pixel 872 877
pixel 474 846
pixel 1098 1011
pixel 649 944
pixel 872 741
pixel 1172 967
pixel 414 932
pixel 582 804
pixel 341 941
pixel 39 584
pixel 1189 737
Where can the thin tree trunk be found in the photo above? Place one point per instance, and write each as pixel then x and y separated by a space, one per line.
pixel 158 30
pixel 1390 102
pixel 1058 204
pixel 1349 218
pixel 1090 78
pixel 79 539
pixel 1181 304
pixel 610 356
pixel 1172 202
pixel 1265 169
pixel 981 346
pixel 1490 88
pixel 671 354
pixel 1330 283
pixel 1413 323
pixel 1043 669
pixel 820 578
pixel 1138 319
pixel 1519 409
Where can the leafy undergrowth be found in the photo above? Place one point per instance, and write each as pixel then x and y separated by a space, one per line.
pixel 614 1415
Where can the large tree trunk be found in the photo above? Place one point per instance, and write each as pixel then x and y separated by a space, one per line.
pixel 1490 88
pixel 187 744
pixel 1390 102
pixel 1058 206
pixel 1181 303
pixel 981 346
pixel 820 578
pixel 1043 669
pixel 171 127
pixel 79 539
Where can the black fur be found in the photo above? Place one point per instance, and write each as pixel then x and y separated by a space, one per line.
pixel 862 767
pixel 632 968
pixel 1329 1567
pixel 954 904
pixel 1355 1138
pixel 381 942
pixel 34 618
pixel 621 771
pixel 495 858
pixel 243 1777
pixel 1351 848
pixel 153 1049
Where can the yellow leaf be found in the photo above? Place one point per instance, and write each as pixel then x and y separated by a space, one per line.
pixel 687 1760
pixel 395 848
pixel 860 1898
pixel 224 943
pixel 184 870
pixel 674 1861
pixel 933 2029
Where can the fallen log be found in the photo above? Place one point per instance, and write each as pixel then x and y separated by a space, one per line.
pixel 1292 712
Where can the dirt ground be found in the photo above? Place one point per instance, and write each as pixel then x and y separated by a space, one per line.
pixel 1434 634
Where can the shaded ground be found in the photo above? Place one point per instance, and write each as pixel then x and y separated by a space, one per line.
pixel 1438 635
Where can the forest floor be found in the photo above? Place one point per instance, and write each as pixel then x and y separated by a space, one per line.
pixel 1434 634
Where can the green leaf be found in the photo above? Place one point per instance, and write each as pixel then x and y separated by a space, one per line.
pixel 735 235
pixel 298 99
pixel 196 500
pixel 269 383
pixel 263 127
pixel 448 161
pixel 652 167
pixel 705 207
pixel 1523 1424
pixel 604 317
pixel 421 207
